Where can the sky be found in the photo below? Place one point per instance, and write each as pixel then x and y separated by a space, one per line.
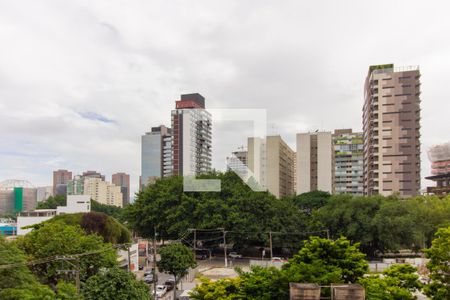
pixel 81 81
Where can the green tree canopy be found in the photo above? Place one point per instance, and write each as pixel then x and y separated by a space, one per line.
pixel 166 207
pixel 115 284
pixel 52 202
pixel 326 261
pixel 176 259
pixel 57 239
pixel 398 283
pixel 18 282
pixel 110 210
pixel 439 266
pixel 94 223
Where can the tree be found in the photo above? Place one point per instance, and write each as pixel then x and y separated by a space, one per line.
pixel 311 201
pixel 225 289
pixel 398 283
pixel 57 239
pixel 176 259
pixel 166 207
pixel 94 223
pixel 263 283
pixel 115 283
pixel 18 282
pixel 326 261
pixel 351 217
pixel 66 291
pixel 52 202
pixel 439 266
pixel 110 210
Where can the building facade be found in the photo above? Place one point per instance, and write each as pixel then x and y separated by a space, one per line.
pixel 60 179
pixel 439 156
pixel 272 163
pixel 103 191
pixel 315 156
pixel 348 162
pixel 93 174
pixel 17 196
pixel 238 163
pixel 122 180
pixel 156 154
pixel 191 128
pixel 391 126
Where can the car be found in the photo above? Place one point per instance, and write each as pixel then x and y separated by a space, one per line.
pixel 149 278
pixel 234 255
pixel 170 284
pixel 161 290
pixel 279 259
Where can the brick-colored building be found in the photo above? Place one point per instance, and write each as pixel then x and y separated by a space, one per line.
pixel 391 125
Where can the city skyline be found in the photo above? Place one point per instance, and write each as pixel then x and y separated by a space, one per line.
pixel 84 104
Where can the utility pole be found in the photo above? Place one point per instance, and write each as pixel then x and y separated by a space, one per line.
pixel 154 265
pixel 195 240
pixel 328 234
pixel 129 258
pixel 77 277
pixel 225 246
pixel 270 243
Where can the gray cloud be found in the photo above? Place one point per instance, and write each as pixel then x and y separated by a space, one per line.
pixel 305 62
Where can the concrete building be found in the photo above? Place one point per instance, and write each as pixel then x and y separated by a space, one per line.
pixel 44 192
pixel 122 180
pixel 348 162
pixel 76 186
pixel 391 125
pixel 272 162
pixel 439 156
pixel 315 170
pixel 156 154
pixel 103 191
pixel 60 179
pixel 75 204
pixel 191 127
pixel 17 196
pixel 93 174
pixel 238 163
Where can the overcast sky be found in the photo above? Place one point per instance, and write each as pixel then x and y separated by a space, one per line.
pixel 81 81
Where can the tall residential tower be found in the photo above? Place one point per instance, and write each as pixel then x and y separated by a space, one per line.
pixel 391 125
pixel 156 154
pixel 191 126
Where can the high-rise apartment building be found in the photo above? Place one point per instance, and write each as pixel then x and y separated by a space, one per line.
pixel 122 180
pixel 237 162
pixel 348 162
pixel 103 191
pixel 391 125
pixel 272 162
pixel 315 169
pixel 191 128
pixel 60 179
pixel 93 174
pixel 439 156
pixel 156 154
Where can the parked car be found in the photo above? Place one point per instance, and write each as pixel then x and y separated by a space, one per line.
pixel 279 259
pixel 149 278
pixel 161 290
pixel 202 254
pixel 170 284
pixel 234 255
